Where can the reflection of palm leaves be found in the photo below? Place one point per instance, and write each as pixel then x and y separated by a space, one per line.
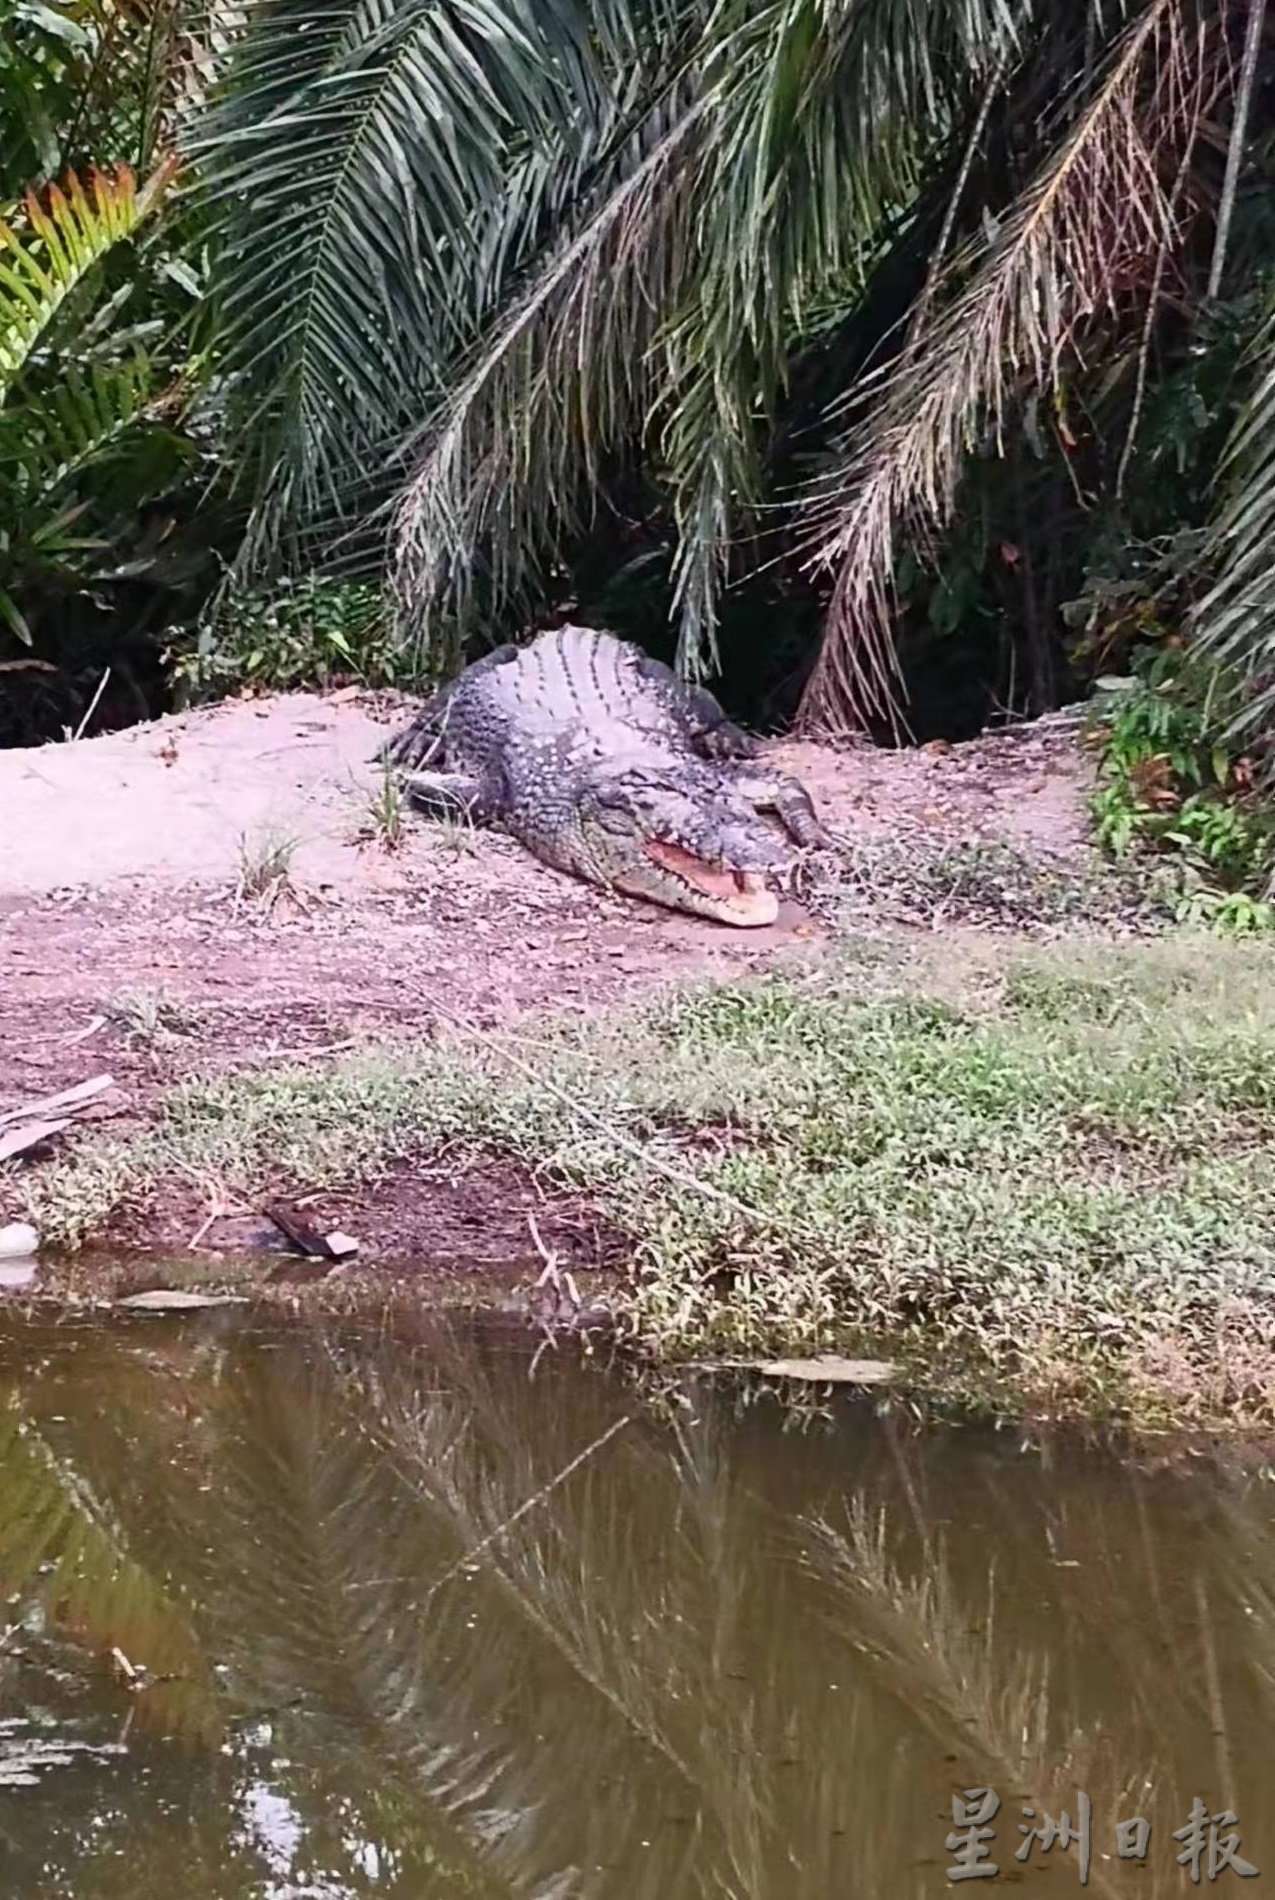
pixel 519 1650
pixel 917 1634
pixel 308 1588
pixel 944 1660
pixel 62 1548
pixel 321 1582
pixel 652 1634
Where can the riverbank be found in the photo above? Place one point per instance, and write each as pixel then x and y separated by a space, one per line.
pixel 1042 1174
pixel 956 1105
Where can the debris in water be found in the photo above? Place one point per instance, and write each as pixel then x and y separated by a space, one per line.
pixel 177 1299
pixel 830 1369
pixel 308 1239
pixel 298 1231
pixel 122 1667
pixel 18 1240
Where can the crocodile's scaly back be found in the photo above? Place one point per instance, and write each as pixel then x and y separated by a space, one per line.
pixel 603 764
pixel 575 678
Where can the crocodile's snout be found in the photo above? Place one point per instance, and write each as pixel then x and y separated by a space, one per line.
pixel 727 893
pixel 690 846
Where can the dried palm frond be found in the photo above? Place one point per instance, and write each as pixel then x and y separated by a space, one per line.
pixel 818 118
pixel 1236 620
pixel 1083 239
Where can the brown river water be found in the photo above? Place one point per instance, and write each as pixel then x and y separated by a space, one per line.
pixel 297 1610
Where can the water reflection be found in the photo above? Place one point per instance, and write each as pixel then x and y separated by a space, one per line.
pixel 301 1613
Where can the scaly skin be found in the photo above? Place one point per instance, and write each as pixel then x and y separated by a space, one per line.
pixel 606 766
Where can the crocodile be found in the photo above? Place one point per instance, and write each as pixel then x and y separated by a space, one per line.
pixel 605 765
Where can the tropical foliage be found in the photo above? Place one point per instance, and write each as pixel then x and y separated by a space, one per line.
pixel 789 289
pixel 1171 780
pixel 100 471
pixel 311 631
pixel 837 345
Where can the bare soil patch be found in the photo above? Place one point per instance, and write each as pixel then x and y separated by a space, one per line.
pixel 120 859
pixel 456 1218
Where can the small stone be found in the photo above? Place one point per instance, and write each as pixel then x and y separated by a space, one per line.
pixel 18 1240
pixel 341 1246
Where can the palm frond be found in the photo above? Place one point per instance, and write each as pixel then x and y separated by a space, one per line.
pixel 356 165
pixel 51 246
pixel 560 384
pixel 819 119
pixel 1235 622
pixel 46 443
pixel 1083 237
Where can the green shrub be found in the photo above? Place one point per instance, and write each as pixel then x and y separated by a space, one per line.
pixel 296 633
pixel 1169 782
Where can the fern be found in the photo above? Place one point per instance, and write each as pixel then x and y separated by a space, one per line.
pixel 53 246
pixel 46 442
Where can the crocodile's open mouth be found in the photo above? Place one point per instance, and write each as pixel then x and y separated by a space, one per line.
pixel 741 896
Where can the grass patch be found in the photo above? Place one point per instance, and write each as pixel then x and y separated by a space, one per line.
pixel 265 867
pixel 992 885
pixel 149 1017
pixel 385 815
pixel 1049 1175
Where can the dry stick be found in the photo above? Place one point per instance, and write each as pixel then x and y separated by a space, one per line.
pixel 101 688
pixel 1153 303
pixel 935 270
pixel 538 1497
pixel 1235 149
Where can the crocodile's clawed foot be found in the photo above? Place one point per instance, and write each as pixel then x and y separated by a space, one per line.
pixel 789 801
pixel 449 795
pixel 726 741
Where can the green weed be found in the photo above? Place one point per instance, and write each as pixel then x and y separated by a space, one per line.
pixel 1169 782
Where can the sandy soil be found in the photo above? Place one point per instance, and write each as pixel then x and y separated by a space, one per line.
pixel 120 858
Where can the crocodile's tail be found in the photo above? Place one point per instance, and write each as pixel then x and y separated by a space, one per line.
pixel 417 745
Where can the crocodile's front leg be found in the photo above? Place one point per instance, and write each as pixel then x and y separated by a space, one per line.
pixel 787 798
pixel 453 795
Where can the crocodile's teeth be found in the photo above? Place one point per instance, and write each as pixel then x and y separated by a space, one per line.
pixel 743 895
pixel 713 879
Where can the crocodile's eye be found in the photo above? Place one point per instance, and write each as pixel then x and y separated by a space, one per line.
pixel 627 795
pixel 612 798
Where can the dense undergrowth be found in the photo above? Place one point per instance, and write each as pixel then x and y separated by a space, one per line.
pixel 1174 784
pixel 1043 1176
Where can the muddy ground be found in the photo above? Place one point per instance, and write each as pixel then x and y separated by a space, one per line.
pixel 121 865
